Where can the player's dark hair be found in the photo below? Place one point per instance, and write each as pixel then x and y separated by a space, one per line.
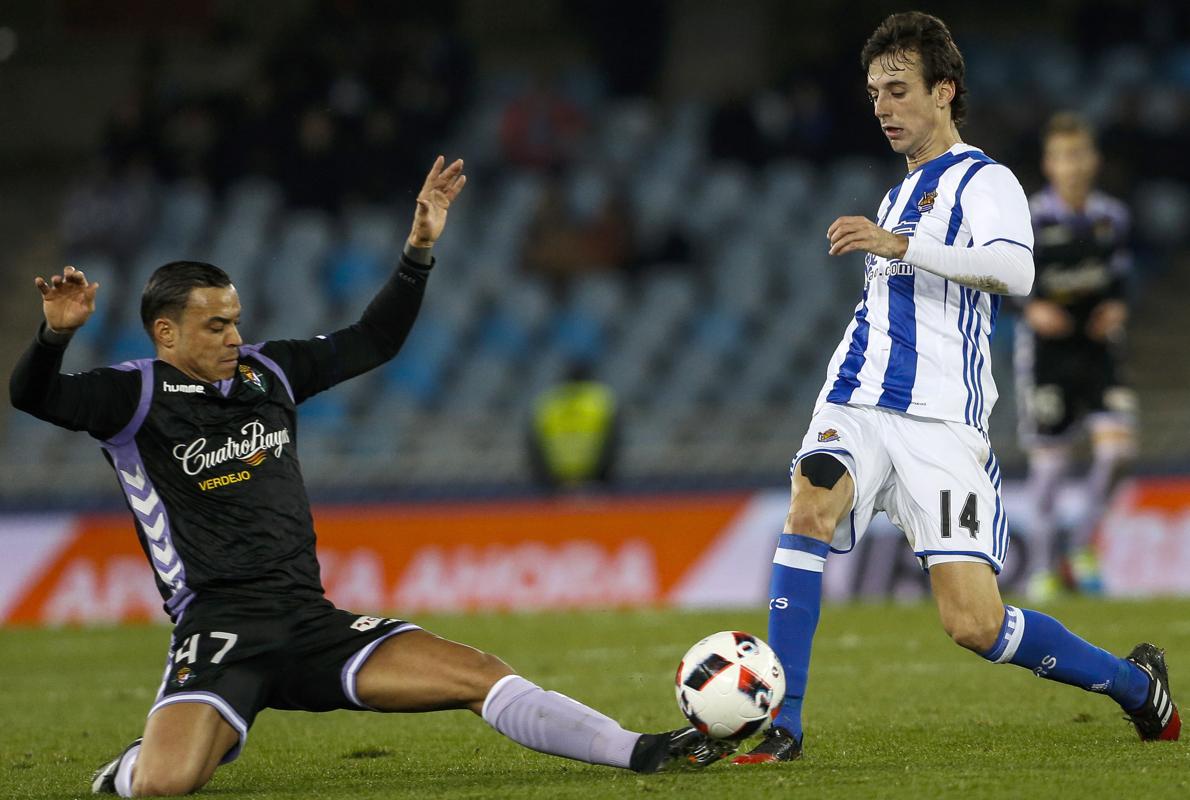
pixel 1066 123
pixel 169 288
pixel 928 36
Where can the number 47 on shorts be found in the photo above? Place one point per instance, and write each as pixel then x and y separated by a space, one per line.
pixel 188 652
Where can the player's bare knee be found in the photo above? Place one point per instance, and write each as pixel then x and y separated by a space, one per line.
pixel 977 632
pixel 811 516
pixel 816 526
pixel 485 670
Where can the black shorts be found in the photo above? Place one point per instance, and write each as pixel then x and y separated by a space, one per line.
pixel 1062 384
pixel 241 659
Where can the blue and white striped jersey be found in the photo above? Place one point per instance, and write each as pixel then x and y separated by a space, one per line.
pixel 920 343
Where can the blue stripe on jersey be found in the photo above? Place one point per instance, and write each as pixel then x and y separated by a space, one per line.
pixel 973 412
pixel 977 360
pixel 848 379
pixel 901 372
pixel 965 315
pixel 956 213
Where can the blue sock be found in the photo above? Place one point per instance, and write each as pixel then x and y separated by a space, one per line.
pixel 1040 643
pixel 795 598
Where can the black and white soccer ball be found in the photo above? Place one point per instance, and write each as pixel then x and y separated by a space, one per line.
pixel 730 685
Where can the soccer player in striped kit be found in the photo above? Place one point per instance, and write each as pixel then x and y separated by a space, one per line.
pixel 901 423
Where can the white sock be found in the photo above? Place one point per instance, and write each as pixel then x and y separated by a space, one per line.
pixel 552 723
pixel 1046 469
pixel 124 772
pixel 1107 469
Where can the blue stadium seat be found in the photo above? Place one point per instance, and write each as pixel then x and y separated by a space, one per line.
pixel 183 213
pixel 504 334
pixel 577 335
pixel 354 272
pixel 129 343
pixel 417 371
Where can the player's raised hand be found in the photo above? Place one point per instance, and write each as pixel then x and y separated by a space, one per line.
pixel 442 186
pixel 851 234
pixel 67 299
pixel 1107 321
pixel 1048 319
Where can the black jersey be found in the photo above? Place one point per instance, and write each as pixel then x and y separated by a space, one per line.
pixel 210 471
pixel 1082 257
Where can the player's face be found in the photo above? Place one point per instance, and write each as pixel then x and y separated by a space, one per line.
pixel 1070 162
pixel 912 116
pixel 207 343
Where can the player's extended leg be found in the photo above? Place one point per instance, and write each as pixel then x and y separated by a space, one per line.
pixel 1048 463
pixel 822 493
pixel 1113 446
pixel 182 746
pixel 975 617
pixel 418 671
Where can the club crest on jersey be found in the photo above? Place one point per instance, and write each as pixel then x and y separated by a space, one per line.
pixel 828 435
pixel 182 675
pixel 926 203
pixel 251 378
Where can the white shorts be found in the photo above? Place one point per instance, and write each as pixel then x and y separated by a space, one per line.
pixel 938 481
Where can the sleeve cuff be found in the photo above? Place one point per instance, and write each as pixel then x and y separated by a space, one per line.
pixel 53 338
pixel 918 252
pixel 419 256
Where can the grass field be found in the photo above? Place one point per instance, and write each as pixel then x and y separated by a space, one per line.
pixel 894 710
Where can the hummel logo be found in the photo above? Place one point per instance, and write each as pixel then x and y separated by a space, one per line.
pixel 184 388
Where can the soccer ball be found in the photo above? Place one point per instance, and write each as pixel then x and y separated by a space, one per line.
pixel 730 685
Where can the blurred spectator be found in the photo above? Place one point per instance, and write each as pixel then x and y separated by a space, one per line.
pixel 314 167
pixel 130 135
pixel 109 211
pixel 734 133
pixel 574 434
pixel 582 230
pixel 188 143
pixel 253 134
pixel 381 164
pixel 541 128
pixel 795 120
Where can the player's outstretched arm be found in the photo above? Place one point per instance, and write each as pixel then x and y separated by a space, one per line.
pixel 1000 267
pixel 314 365
pixel 100 402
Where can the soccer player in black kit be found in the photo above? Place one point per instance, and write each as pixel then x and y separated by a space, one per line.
pixel 203 441
pixel 1068 349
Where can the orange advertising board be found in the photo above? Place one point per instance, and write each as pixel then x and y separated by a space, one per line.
pixel 417 558
pixel 689 551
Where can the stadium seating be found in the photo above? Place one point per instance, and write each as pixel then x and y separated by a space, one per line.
pixel 716 358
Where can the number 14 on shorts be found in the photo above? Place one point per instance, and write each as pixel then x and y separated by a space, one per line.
pixel 188 652
pixel 968 515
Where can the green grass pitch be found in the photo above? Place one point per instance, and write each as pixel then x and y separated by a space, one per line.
pixel 894 710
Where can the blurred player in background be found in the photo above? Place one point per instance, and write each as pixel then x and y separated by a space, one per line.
pixel 1068 352
pixel 901 423
pixel 203 439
